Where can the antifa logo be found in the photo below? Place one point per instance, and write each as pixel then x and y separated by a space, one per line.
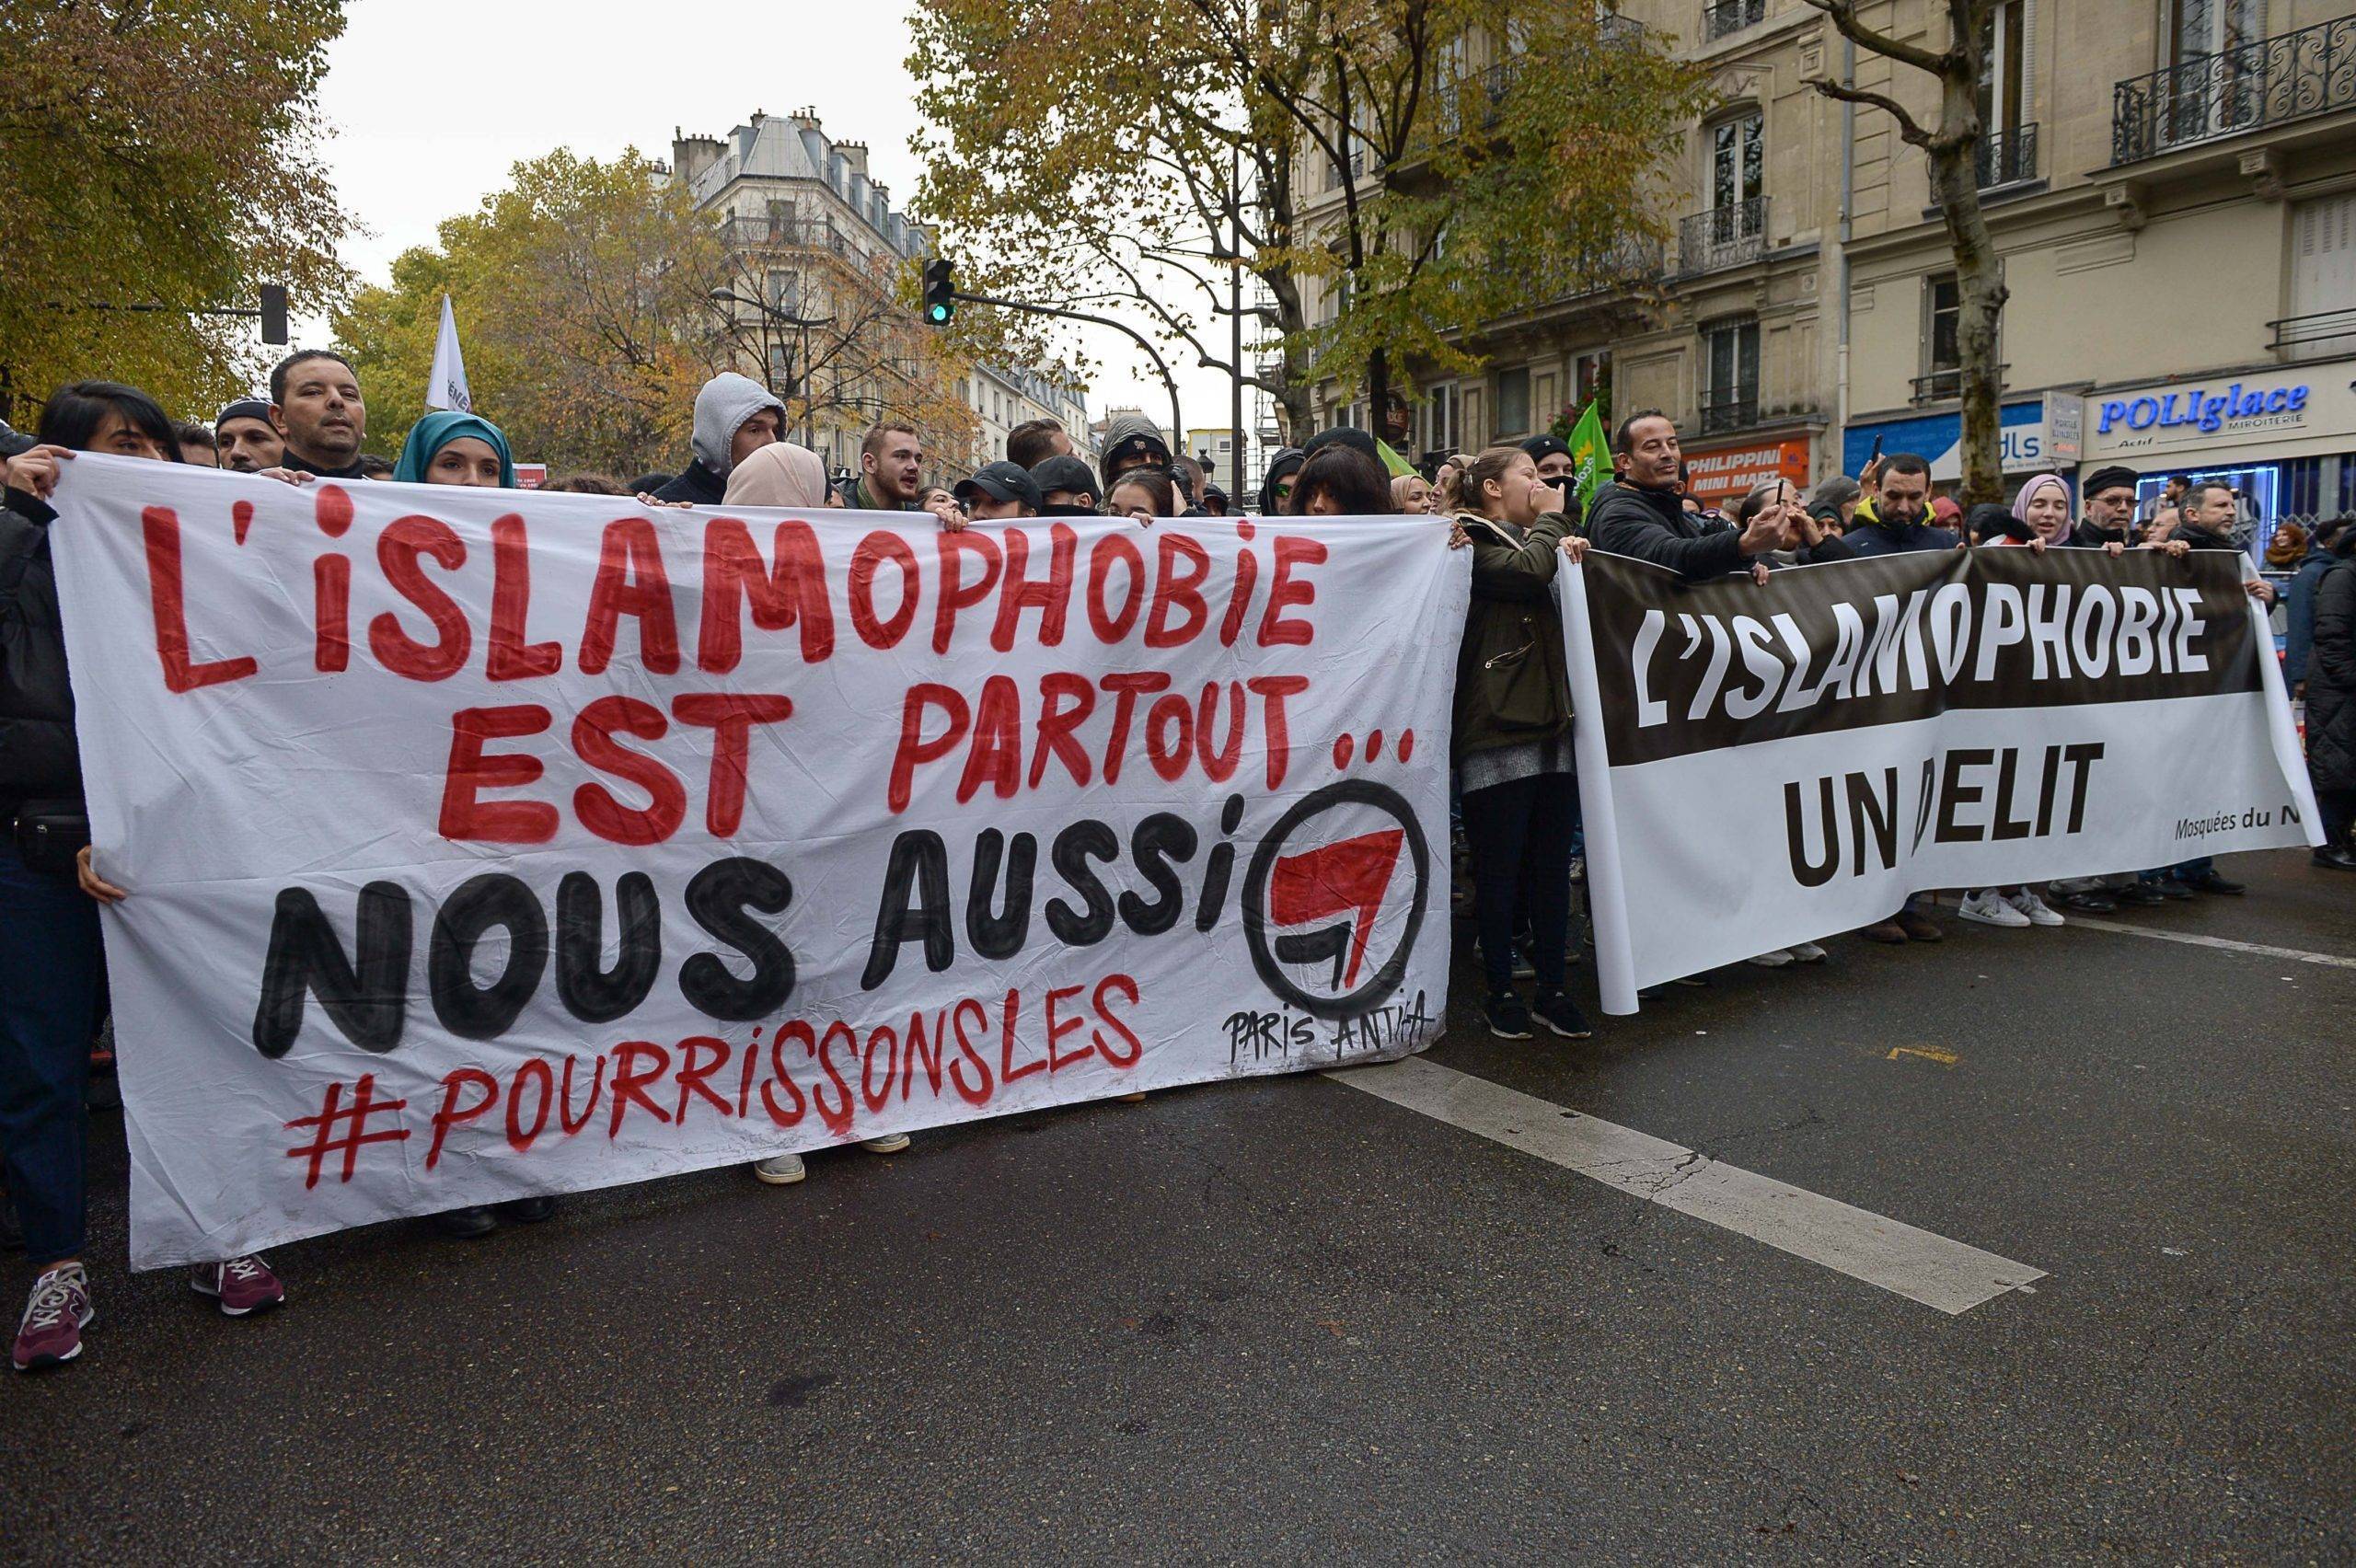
pixel 1341 881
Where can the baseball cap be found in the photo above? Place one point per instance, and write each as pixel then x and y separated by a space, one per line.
pixel 1542 447
pixel 1001 482
pixel 1065 472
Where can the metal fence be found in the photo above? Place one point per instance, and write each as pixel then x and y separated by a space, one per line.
pixel 2287 77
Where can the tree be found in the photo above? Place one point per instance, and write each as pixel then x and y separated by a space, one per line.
pixel 583 297
pixel 160 152
pixel 1950 145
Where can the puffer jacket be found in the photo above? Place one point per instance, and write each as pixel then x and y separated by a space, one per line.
pixel 2299 612
pixel 38 757
pixel 2331 681
pixel 1511 681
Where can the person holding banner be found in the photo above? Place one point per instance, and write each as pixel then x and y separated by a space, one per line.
pixel 1642 512
pixel 2331 705
pixel 51 964
pixel 1513 736
pixel 448 448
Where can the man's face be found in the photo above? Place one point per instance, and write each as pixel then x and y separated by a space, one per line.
pixel 1653 456
pixel 323 419
pixel 1059 443
pixel 1556 465
pixel 2108 508
pixel 753 434
pixel 2212 508
pixel 1903 498
pixel 249 445
pixel 1281 493
pixel 983 507
pixel 201 456
pixel 1071 498
pixel 896 471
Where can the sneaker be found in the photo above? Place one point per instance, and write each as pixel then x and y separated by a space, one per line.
pixel 527 1211
pixel 467 1224
pixel 1890 933
pixel 241 1286
pixel 2036 909
pixel 1808 953
pixel 1989 908
pixel 890 1142
pixel 2335 858
pixel 1562 1015
pixel 1134 1097
pixel 1919 928
pixel 2142 894
pixel 1774 958
pixel 2169 889
pixel 2083 902
pixel 1508 1018
pixel 1579 867
pixel 49 1334
pixel 2209 882
pixel 780 1169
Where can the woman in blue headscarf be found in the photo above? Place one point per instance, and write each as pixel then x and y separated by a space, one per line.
pixel 447 448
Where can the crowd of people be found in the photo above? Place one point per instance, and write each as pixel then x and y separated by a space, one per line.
pixel 1512 508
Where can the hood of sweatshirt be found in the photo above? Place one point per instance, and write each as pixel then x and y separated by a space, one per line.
pixel 726 401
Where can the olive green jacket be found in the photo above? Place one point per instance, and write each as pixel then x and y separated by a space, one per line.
pixel 1512 683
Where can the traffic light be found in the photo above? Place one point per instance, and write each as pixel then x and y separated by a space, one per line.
pixel 273 314
pixel 940 291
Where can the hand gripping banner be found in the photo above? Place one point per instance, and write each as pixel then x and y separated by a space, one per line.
pixel 483 842
pixel 1760 765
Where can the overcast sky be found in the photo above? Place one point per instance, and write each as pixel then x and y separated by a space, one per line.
pixel 428 102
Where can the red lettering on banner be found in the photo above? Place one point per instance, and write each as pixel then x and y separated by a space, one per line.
pixel 792 589
pixel 1275 629
pixel 160 529
pixel 593 729
pixel 705 1055
pixel 1058 721
pixel 955 594
pixel 1110 624
pixel 1168 755
pixel 1125 690
pixel 1008 1072
pixel 332 510
pixel 1183 591
pixel 781 1076
pixel 1058 1028
pixel 1219 766
pixel 1105 1014
pixel 398 549
pixel 510 658
pixel 867 1090
pixel 731 719
pixel 589 1113
pixel 631 580
pixel 975 1090
pixel 534 1069
pixel 877 547
pixel 1348 876
pixel 465 814
pixel 914 749
pixel 838 1116
pixel 1271 690
pixel 1239 600
pixel 449 1113
pixel 926 1047
pixel 332 613
pixel 630 1080
pixel 1051 598
pixel 996 757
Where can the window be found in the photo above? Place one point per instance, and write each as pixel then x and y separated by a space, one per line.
pixel 785 292
pixel 1586 373
pixel 1730 376
pixel 1943 305
pixel 2212 27
pixel 1513 401
pixel 1441 432
pixel 2000 80
pixel 1738 161
pixel 2323 279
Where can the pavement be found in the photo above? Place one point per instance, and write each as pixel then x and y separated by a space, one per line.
pixel 1285 1320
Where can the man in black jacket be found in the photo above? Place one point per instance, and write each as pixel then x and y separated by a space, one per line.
pixel 1641 514
pixel 315 402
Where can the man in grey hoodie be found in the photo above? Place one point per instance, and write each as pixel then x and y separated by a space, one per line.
pixel 735 417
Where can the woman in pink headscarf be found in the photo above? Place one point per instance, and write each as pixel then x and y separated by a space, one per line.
pixel 780 474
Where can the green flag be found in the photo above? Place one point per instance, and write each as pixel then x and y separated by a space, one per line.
pixel 1399 466
pixel 1590 449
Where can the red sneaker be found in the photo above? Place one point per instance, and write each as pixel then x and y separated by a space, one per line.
pixel 241 1286
pixel 50 1332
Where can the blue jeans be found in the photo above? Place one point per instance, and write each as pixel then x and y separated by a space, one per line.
pixel 50 968
pixel 2188 871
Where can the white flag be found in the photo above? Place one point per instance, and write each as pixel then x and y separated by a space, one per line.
pixel 446 387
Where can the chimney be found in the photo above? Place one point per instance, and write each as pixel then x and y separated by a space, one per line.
pixel 854 154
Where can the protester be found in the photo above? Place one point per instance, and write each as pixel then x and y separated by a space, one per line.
pixel 315 407
pixel 2283 552
pixel 1143 494
pixel 1834 503
pixel 1512 742
pixel 51 964
pixel 1890 521
pixel 648 484
pixel 1806 541
pixel 1033 441
pixel 1641 514
pixel 1132 441
pixel 2111 508
pixel 449 448
pixel 2042 506
pixel 2299 603
pixel 1276 487
pixel 2164 516
pixel 246 440
pixel 585 484
pixel 999 492
pixel 196 444
pixel 780 474
pixel 1187 473
pixel 1411 492
pixel 1553 456
pixel 891 469
pixel 1067 487
pixel 1339 480
pixel 370 467
pixel 1214 500
pixel 735 416
pixel 2331 705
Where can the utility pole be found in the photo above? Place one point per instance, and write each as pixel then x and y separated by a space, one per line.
pixel 1235 319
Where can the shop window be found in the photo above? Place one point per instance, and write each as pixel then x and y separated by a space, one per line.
pixel 1513 401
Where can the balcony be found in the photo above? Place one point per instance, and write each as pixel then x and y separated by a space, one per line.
pixel 1720 17
pixel 2323 335
pixel 2286 77
pixel 785 234
pixel 1944 386
pixel 1729 409
pixel 1721 237
pixel 2007 156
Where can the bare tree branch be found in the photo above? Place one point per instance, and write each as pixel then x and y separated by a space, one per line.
pixel 1910 130
pixel 1843 14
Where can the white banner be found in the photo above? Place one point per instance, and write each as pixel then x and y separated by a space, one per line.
pixel 1765 766
pixel 484 844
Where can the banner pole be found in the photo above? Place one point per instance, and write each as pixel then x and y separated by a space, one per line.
pixel 1605 891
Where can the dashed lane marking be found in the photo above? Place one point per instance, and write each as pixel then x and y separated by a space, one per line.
pixel 2296 955
pixel 1898 1257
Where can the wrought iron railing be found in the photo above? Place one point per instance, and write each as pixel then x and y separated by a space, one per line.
pixel 748 234
pixel 1720 17
pixel 2324 329
pixel 2007 156
pixel 1728 409
pixel 2287 77
pixel 1631 261
pixel 1942 384
pixel 1721 237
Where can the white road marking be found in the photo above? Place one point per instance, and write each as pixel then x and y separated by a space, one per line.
pixel 2297 955
pixel 1898 1257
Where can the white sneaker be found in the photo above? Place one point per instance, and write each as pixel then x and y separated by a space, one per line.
pixel 1990 909
pixel 890 1142
pixel 1774 958
pixel 2036 908
pixel 1808 953
pixel 781 1169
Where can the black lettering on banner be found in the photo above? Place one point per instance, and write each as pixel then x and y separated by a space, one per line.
pixel 590 993
pixel 483 1013
pixel 1074 847
pixel 366 999
pixel 717 899
pixel 919 866
pixel 1001 934
pixel 1156 841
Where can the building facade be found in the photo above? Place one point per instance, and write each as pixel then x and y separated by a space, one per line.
pixel 1002 399
pixel 2171 185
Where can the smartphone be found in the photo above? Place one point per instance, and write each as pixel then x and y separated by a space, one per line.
pixel 1875 458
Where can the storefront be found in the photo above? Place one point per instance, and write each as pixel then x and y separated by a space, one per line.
pixel 2035 438
pixel 1720 476
pixel 2284 437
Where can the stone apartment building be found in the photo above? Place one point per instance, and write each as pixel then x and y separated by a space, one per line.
pixel 1003 398
pixel 2172 187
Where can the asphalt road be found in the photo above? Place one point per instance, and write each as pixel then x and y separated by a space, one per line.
pixel 1285 1321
